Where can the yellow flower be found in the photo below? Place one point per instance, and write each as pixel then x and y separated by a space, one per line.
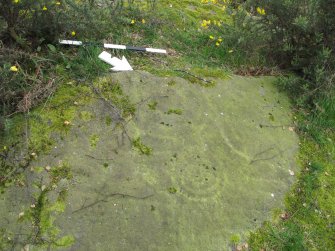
pixel 44 8
pixel 14 68
pixel 231 51
pixel 132 21
pixel 260 11
pixel 205 23
pixel 16 1
pixel 57 3
pixel 73 33
pixel 211 37
pixel 217 44
pixel 143 21
pixel 219 39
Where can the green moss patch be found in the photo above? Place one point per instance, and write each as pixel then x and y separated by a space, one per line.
pixel 137 144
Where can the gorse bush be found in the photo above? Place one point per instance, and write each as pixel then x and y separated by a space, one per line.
pixel 297 36
pixel 31 62
pixel 300 38
pixel 31 23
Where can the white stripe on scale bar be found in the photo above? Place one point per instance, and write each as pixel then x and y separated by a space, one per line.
pixel 155 50
pixel 115 46
pixel 72 42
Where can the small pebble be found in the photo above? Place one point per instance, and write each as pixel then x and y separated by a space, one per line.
pixel 291 172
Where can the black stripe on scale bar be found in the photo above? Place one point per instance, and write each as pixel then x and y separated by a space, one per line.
pixel 128 47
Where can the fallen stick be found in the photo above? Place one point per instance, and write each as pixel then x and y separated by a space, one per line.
pixel 192 75
pixel 110 195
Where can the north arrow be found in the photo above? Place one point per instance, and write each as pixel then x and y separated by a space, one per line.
pixel 119 65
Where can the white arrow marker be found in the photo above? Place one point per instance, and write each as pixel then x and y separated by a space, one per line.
pixel 119 65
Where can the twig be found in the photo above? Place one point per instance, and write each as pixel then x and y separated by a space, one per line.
pixel 89 205
pixel 110 195
pixel 260 153
pixel 197 77
pixel 92 157
pixel 183 71
pixel 273 126
pixel 253 161
pixel 26 118
pixel 151 97
pixel 263 159
pixel 119 120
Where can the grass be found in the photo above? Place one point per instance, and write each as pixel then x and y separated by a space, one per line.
pixel 310 205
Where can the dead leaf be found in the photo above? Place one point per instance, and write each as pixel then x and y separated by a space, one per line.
pixel 291 128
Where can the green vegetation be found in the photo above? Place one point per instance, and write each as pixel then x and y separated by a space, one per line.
pixel 94 139
pixel 86 116
pixel 174 111
pixel 300 45
pixel 307 220
pixel 112 93
pixel 143 149
pixel 48 203
pixel 42 212
pixel 172 190
pixel 108 120
pixel 153 105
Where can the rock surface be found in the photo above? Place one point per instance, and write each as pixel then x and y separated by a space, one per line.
pixel 220 162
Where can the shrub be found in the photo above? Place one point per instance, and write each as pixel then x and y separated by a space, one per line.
pixel 31 63
pixel 297 36
pixel 29 23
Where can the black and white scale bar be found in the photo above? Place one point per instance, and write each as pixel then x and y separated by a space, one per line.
pixel 115 46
